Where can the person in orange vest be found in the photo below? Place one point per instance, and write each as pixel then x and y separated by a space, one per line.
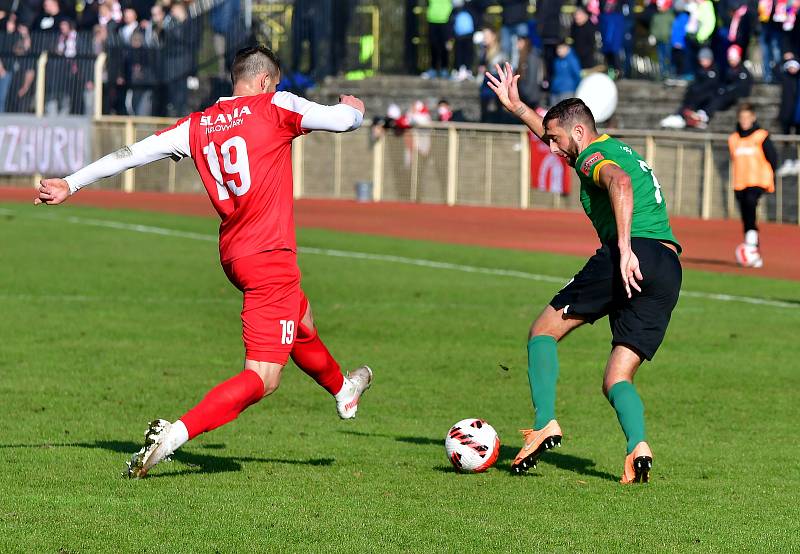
pixel 753 162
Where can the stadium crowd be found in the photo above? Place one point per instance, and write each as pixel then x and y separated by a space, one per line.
pixel 713 46
pixel 152 48
pixel 708 44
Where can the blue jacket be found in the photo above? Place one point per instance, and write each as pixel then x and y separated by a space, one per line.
pixel 566 74
pixel 679 30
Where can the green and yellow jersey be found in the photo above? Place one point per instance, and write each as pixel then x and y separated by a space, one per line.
pixel 650 219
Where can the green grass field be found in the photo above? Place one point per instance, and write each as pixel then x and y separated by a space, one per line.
pixel 105 328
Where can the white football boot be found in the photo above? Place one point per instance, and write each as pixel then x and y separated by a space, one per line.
pixel 355 384
pixel 156 449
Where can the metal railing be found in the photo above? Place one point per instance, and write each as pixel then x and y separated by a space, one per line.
pixel 466 164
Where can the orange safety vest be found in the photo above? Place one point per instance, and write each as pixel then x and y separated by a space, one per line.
pixel 748 163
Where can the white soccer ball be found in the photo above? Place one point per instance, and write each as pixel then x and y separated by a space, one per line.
pixel 472 445
pixel 599 93
pixel 748 255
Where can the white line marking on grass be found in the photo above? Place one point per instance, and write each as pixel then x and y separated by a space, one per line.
pixel 419 262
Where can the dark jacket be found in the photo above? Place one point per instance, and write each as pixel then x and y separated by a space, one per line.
pixel 737 80
pixel 769 148
pixel 788 98
pixel 706 82
pixel 584 43
pixel 515 11
pixel 548 21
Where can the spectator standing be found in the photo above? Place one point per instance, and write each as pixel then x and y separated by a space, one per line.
pixel 62 72
pixel 140 77
pixel 613 27
pixel 680 52
pixel 21 93
pixel 770 40
pixel 224 19
pixel 130 23
pixel 491 56
pixel 154 27
pixel 7 39
pixel 514 25
pixel 566 75
pixel 737 27
pixel 789 115
pixel 530 71
pixel 629 38
pixel 89 16
pixel 463 24
pixel 49 18
pixel 343 13
pixel 438 17
pixel 548 24
pixel 27 12
pixel 753 160
pixel 180 38
pixel 584 38
pixel 312 22
pixel 491 53
pixel 700 27
pixel 109 14
pixel 661 31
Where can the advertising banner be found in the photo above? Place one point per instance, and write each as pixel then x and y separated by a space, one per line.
pixel 54 146
pixel 549 173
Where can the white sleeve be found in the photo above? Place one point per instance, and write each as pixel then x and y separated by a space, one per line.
pixel 173 142
pixel 317 117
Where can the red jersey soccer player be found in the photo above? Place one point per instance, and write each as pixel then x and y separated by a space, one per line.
pixel 241 147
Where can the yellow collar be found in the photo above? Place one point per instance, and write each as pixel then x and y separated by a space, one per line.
pixel 601 138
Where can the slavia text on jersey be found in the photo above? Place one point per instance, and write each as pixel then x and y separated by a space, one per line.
pixel 225 121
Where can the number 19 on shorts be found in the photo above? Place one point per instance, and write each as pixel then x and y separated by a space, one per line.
pixel 287 331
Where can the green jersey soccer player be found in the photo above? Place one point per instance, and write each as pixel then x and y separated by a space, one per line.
pixel 634 278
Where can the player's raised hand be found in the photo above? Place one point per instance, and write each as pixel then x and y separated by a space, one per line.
pixel 505 87
pixel 629 267
pixel 352 101
pixel 51 192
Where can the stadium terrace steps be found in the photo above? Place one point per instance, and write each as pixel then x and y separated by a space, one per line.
pixel 642 105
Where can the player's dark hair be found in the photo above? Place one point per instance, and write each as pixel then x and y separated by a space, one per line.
pixel 254 60
pixel 745 107
pixel 569 112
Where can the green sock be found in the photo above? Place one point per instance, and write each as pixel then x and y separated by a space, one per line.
pixel 542 375
pixel 630 411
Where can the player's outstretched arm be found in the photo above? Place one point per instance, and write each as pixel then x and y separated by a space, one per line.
pixel 173 142
pixel 345 116
pixel 507 91
pixel 620 190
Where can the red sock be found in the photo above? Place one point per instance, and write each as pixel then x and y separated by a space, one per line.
pixel 310 354
pixel 224 403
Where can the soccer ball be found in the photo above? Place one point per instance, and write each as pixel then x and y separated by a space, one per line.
pixel 748 255
pixel 599 93
pixel 472 446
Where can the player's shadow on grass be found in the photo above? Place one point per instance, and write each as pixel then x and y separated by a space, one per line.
pixel 197 462
pixel 582 466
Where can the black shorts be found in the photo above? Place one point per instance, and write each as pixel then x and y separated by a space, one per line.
pixel 597 290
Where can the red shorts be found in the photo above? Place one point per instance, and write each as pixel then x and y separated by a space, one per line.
pixel 273 303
